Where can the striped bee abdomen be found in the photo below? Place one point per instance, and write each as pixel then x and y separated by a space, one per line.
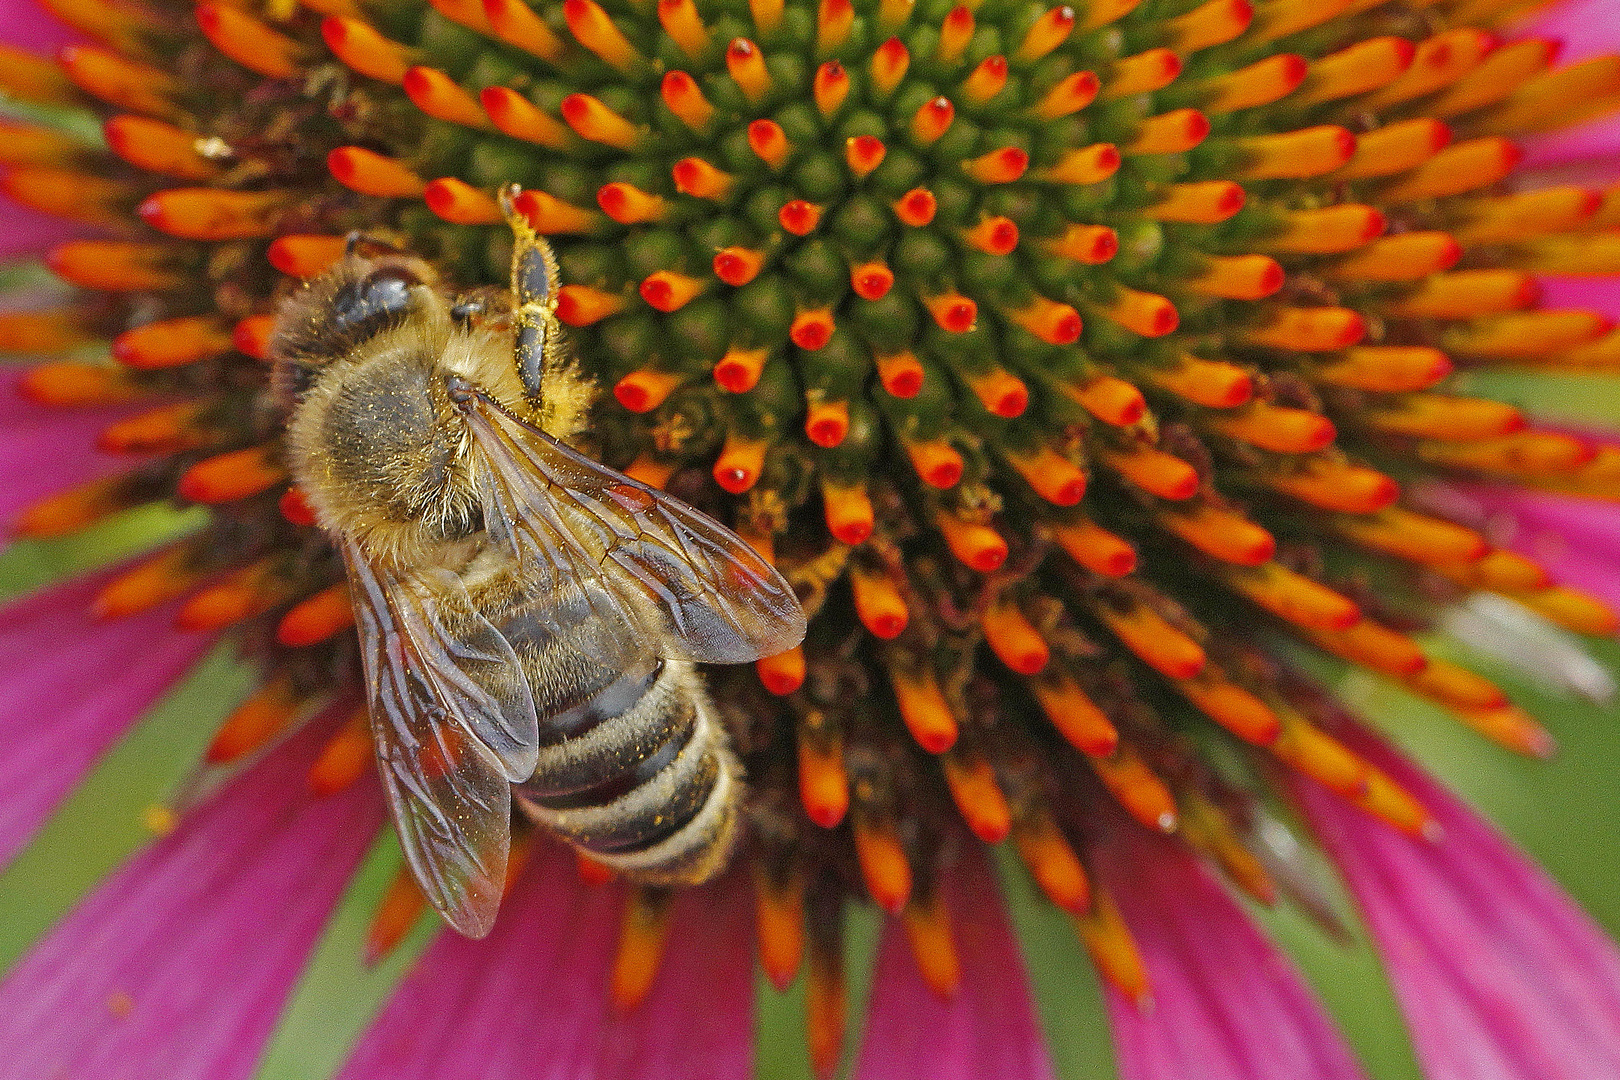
pixel 639 774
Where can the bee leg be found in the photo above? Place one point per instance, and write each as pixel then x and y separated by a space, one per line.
pixel 534 298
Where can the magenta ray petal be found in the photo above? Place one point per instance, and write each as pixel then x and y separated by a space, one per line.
pixel 987 1029
pixel 24 231
pixel 1590 294
pixel 533 991
pixel 698 1021
pixel 177 966
pixel 1226 1005
pixel 1577 540
pixel 1592 146
pixel 75 687
pixel 1500 974
pixel 531 1000
pixel 45 450
pixel 28 26
pixel 1584 29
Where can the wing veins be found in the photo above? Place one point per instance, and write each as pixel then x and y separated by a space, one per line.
pixel 679 556
pixel 450 803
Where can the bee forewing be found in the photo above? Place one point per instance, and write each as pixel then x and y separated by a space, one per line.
pixel 470 668
pixel 564 515
pixel 448 790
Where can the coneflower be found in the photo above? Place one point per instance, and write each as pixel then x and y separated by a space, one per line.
pixel 1098 375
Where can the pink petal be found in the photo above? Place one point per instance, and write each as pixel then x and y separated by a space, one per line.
pixel 987 1029
pixel 1601 295
pixel 473 1008
pixel 177 966
pixel 1500 975
pixel 24 231
pixel 1586 28
pixel 531 1000
pixel 1225 1005
pixel 1577 540
pixel 28 26
pixel 46 450
pixel 91 680
pixel 699 1018
pixel 1595 143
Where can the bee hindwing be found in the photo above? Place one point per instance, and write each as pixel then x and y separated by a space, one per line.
pixel 448 749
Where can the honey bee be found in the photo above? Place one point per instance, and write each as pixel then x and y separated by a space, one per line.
pixel 529 619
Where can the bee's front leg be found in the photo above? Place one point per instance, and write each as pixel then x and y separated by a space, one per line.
pixel 534 298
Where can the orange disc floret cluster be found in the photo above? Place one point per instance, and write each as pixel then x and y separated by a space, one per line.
pixel 1064 358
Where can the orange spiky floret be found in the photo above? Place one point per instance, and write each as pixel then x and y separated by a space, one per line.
pixel 779 908
pixel 927 924
pixel 1052 861
pixel 345 757
pixel 398 910
pixel 1103 932
pixel 643 934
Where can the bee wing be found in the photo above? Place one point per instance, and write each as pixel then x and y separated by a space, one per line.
pixel 568 519
pixel 447 748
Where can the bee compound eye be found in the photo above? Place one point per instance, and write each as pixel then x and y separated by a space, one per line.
pixel 375 301
pixel 388 287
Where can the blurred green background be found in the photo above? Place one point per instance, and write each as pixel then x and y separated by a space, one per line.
pixel 1564 811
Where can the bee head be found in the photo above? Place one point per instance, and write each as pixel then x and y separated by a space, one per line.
pixel 352 303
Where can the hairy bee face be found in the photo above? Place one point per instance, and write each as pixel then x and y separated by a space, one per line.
pixel 376 441
pixel 342 310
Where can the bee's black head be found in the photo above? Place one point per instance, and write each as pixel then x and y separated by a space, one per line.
pixel 340 311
